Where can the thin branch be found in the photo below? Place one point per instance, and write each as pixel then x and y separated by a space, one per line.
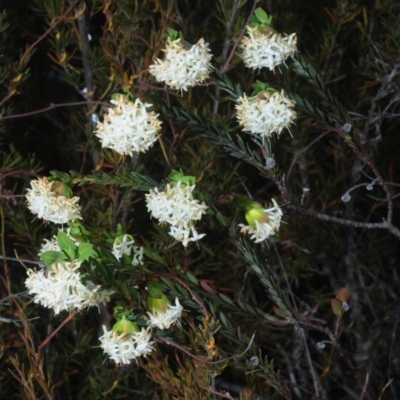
pixel 50 107
pixel 45 342
pixel 85 49
pixel 228 61
pixel 355 224
pixel 334 340
pixel 364 390
pixel 203 359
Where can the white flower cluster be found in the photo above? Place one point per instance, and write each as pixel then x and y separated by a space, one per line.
pixel 176 206
pixel 183 67
pixel 123 348
pixel 265 229
pixel 125 246
pixel 129 127
pixel 163 320
pixel 265 113
pixel 266 49
pixel 61 288
pixel 49 205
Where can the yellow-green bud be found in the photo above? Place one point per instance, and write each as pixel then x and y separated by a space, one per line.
pixel 157 304
pixel 255 213
pixel 125 326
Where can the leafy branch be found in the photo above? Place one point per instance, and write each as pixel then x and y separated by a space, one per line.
pixel 130 179
pixel 211 132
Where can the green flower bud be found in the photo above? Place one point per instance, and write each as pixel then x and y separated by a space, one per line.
pixel 125 326
pixel 155 304
pixel 255 213
pixel 156 299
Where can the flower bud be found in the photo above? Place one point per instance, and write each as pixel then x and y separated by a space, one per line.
pixel 157 304
pixel 255 213
pixel 125 326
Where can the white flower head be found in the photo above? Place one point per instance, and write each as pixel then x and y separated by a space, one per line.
pixel 265 113
pixel 183 66
pixel 163 320
pixel 129 127
pixel 265 48
pixel 125 347
pixel 62 288
pixel 265 223
pixel 50 205
pixel 176 206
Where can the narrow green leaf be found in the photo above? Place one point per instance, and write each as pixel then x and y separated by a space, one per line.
pixel 192 278
pixel 223 319
pixel 155 257
pixel 256 269
pixel 223 220
pixel 226 299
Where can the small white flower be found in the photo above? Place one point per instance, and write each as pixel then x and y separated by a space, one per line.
pixel 137 256
pixel 183 67
pixel 263 230
pixel 266 49
pixel 176 206
pixel 51 206
pixel 265 113
pixel 163 320
pixel 125 246
pixel 129 127
pixel 182 234
pixel 123 348
pixel 61 288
